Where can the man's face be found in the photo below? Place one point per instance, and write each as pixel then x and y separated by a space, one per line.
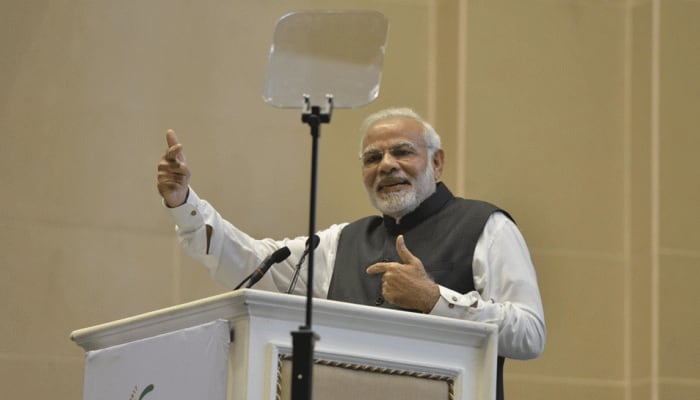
pixel 396 170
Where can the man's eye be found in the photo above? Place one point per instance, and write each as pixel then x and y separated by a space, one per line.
pixel 371 159
pixel 401 152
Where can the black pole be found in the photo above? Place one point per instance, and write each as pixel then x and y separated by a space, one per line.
pixel 303 340
pixel 314 121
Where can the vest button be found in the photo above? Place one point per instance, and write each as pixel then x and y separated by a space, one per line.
pixel 379 301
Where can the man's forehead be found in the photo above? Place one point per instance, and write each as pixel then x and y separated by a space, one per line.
pixel 396 123
pixel 393 131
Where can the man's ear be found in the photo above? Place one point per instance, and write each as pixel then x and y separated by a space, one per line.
pixel 438 163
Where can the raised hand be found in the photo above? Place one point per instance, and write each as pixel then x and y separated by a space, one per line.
pixel 173 174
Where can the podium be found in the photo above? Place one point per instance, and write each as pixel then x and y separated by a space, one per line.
pixel 363 352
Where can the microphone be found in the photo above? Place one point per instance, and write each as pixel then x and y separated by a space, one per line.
pixel 314 240
pixel 278 256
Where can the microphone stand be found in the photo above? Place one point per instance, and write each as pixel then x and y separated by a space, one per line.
pixel 303 340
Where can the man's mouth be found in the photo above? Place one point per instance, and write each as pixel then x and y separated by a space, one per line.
pixel 392 184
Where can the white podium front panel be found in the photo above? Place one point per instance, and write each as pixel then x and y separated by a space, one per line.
pixel 187 364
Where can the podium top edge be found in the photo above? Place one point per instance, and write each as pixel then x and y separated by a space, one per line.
pixel 247 303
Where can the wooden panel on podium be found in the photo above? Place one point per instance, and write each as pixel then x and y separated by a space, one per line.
pixel 363 352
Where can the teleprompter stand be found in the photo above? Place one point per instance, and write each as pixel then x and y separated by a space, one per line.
pixel 303 340
pixel 323 56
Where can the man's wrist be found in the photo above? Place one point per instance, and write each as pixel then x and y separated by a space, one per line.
pixel 431 299
pixel 167 203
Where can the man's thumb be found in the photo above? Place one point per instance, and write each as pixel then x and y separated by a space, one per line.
pixel 402 250
pixel 171 138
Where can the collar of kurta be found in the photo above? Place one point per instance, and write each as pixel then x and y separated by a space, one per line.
pixel 427 208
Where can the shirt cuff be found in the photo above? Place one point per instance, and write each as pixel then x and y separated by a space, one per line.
pixel 454 304
pixel 187 216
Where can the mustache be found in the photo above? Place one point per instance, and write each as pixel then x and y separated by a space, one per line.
pixel 390 179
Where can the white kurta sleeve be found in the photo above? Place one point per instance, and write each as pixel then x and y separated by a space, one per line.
pixel 230 254
pixel 506 292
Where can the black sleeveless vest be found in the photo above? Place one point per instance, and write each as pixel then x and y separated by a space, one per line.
pixel 442 232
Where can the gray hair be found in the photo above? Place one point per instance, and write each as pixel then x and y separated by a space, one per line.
pixel 432 139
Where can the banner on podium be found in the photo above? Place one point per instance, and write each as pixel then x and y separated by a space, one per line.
pixel 187 364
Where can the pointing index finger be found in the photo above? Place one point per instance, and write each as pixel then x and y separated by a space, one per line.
pixel 378 268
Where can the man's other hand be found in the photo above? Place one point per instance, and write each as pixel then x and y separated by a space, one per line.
pixel 407 284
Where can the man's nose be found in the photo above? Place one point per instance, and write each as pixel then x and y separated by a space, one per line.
pixel 388 162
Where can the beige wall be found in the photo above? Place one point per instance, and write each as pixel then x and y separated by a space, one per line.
pixel 578 116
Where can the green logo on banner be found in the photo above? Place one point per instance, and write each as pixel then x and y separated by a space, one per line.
pixel 148 389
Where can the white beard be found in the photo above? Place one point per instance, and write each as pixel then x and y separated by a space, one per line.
pixel 400 203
